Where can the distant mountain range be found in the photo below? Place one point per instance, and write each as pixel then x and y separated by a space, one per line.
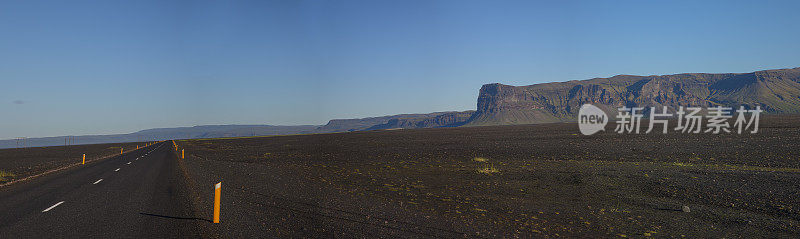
pixel 775 91
pixel 206 131
pixel 405 121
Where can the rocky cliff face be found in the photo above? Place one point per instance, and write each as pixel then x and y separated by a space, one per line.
pixel 406 121
pixel 447 119
pixel 776 91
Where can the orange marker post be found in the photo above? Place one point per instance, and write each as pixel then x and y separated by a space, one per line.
pixel 217 195
pixel 182 153
pixel 84 159
pixel 120 150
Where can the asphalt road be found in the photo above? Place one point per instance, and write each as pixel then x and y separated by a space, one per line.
pixel 140 194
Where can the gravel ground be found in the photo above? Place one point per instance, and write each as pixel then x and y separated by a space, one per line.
pixel 502 181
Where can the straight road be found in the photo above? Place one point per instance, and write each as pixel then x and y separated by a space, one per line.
pixel 140 194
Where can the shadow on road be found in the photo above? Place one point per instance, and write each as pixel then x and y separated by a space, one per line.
pixel 179 218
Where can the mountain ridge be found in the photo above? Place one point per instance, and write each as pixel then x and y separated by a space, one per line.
pixel 775 91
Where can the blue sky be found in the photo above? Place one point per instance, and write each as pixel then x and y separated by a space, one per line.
pixel 101 67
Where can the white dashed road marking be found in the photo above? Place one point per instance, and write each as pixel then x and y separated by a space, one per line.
pixel 51 207
pixel 116 170
pixel 98 181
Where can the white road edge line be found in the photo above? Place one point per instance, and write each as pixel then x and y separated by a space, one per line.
pixel 51 207
pixel 116 170
pixel 98 181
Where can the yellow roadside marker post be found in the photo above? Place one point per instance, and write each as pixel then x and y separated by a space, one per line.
pixel 120 150
pixel 84 159
pixel 182 153
pixel 217 195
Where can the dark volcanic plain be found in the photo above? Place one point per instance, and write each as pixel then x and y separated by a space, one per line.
pixel 502 181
